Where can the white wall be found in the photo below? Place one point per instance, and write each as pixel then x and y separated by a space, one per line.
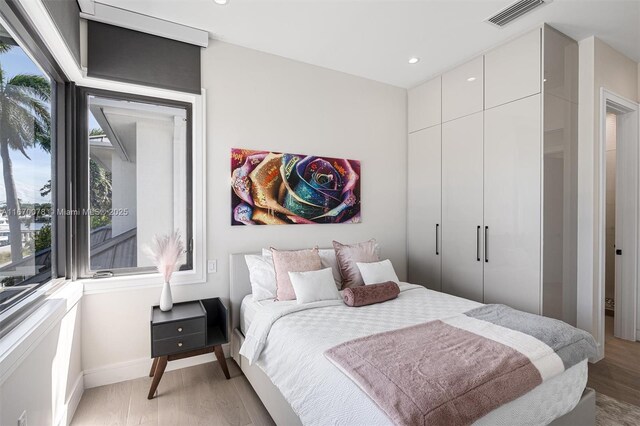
pixel 123 176
pixel 600 66
pixel 261 101
pixel 154 182
pixel 46 381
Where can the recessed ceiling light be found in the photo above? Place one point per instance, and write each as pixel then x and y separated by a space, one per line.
pixel 221 1
pixel 471 79
pixel 414 60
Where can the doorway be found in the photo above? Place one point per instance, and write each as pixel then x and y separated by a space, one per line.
pixel 619 222
pixel 617 373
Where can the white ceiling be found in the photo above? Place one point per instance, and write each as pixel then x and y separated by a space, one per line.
pixel 374 39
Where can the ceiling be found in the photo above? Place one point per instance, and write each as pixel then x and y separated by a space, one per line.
pixel 375 39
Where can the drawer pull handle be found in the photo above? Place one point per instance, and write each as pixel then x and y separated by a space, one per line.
pixel 179 344
pixel 179 329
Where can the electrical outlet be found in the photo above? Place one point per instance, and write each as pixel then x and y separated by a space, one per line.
pixel 212 266
pixel 22 420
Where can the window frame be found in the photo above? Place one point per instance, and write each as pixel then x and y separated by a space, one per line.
pixel 82 226
pixel 15 20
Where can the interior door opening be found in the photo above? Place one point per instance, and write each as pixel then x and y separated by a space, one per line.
pixel 620 218
pixel 610 217
pixel 618 248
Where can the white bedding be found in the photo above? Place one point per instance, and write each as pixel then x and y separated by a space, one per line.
pixel 289 340
pixel 248 310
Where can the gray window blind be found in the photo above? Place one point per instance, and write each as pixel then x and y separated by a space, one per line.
pixel 121 54
pixel 66 16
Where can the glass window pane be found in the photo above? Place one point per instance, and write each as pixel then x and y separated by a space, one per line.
pixel 137 179
pixel 25 161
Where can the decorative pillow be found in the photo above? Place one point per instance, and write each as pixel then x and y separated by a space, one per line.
pixel 349 255
pixel 292 261
pixel 262 276
pixel 370 294
pixel 328 259
pixel 314 286
pixel 377 272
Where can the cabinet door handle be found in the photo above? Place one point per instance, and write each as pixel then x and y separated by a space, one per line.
pixel 486 244
pixel 437 228
pixel 478 244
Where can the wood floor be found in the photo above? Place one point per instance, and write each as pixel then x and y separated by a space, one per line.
pixel 198 395
pixel 618 374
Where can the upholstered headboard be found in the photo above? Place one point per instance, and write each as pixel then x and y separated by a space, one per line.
pixel 239 285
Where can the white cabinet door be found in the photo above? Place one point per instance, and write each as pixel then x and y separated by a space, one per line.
pixel 512 71
pixel 423 215
pixel 463 90
pixel 424 105
pixel 462 206
pixel 512 209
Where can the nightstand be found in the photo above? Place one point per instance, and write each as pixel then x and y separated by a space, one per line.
pixel 189 329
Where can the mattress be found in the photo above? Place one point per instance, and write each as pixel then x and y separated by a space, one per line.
pixel 320 394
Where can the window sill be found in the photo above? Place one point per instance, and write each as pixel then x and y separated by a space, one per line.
pixel 17 344
pixel 140 281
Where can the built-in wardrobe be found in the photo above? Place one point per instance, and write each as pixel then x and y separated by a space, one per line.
pixel 492 176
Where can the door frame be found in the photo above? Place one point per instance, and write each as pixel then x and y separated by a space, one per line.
pixel 626 298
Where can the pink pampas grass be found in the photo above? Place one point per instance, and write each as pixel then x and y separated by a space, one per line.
pixel 167 253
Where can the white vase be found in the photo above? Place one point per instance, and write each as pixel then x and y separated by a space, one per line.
pixel 166 301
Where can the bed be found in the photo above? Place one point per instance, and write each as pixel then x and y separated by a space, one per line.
pixel 326 396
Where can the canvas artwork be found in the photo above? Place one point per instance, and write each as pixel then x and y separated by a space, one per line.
pixel 271 188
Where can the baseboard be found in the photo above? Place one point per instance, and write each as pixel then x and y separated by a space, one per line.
pixel 137 368
pixel 71 404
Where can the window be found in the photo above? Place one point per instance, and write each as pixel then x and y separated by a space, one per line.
pixel 137 171
pixel 26 147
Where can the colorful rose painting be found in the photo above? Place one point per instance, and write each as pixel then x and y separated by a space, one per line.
pixel 270 188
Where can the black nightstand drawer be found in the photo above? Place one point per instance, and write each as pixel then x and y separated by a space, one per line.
pixel 178 328
pixel 178 344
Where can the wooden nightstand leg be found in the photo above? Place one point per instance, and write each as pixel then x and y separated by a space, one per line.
pixel 157 375
pixel 221 360
pixel 153 367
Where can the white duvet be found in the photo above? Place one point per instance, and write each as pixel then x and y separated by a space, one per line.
pixel 287 341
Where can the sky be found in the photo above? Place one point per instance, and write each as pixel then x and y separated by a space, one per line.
pixel 29 175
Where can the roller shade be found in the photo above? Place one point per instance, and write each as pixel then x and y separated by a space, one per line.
pixel 66 16
pixel 125 55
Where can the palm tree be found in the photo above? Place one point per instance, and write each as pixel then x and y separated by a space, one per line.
pixel 25 122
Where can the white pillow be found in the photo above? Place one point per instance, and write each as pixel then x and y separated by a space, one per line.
pixel 378 272
pixel 262 275
pixel 314 286
pixel 328 260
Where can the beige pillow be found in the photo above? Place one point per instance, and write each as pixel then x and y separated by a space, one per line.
pixel 350 254
pixel 292 261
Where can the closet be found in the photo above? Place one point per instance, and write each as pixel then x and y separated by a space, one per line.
pixel 483 216
pixel 462 193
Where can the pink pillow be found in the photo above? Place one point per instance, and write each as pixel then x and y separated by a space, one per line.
pixel 350 254
pixel 292 261
pixel 370 294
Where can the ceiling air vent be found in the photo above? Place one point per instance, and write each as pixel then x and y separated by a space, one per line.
pixel 514 11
